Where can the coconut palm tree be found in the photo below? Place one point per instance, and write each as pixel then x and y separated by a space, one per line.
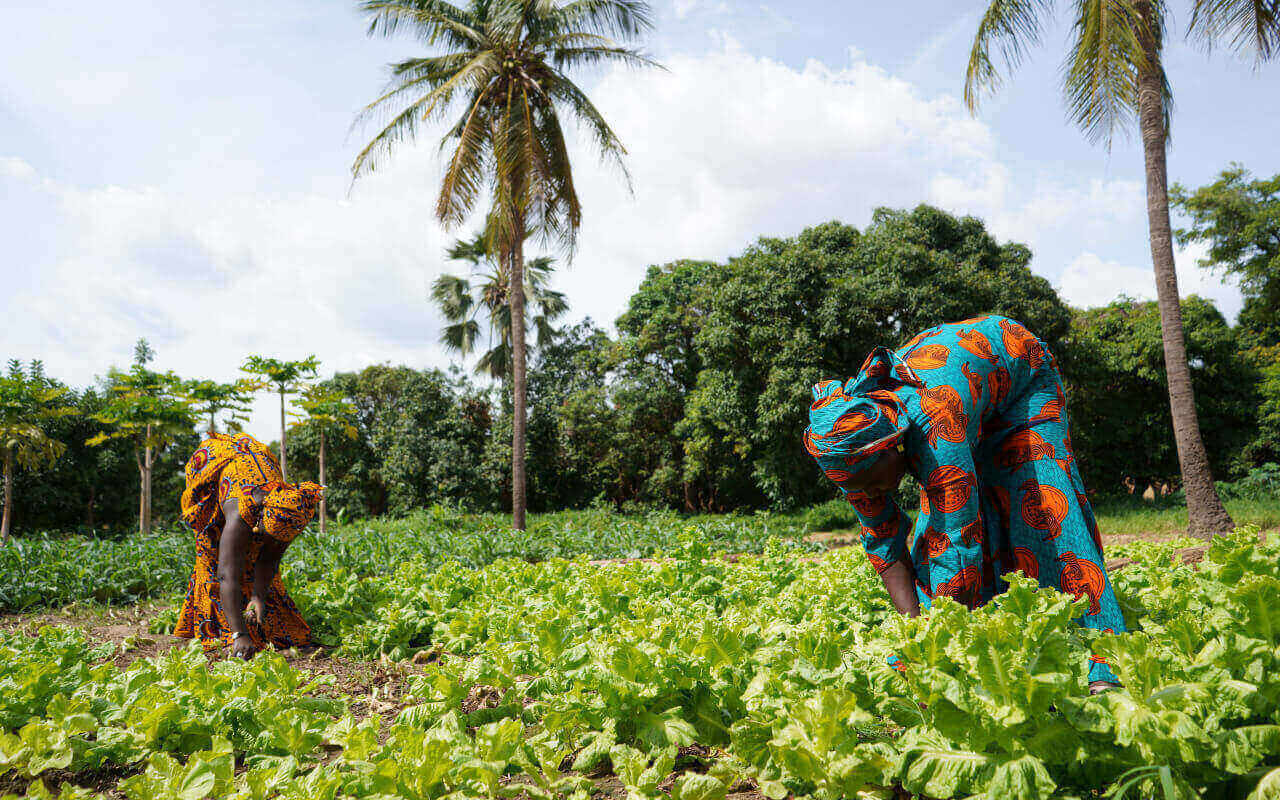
pixel 1113 77
pixel 487 290
pixel 501 67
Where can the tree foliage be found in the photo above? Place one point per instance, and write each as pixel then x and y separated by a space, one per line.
pixel 1239 218
pixel 789 312
pixel 485 292
pixel 1117 393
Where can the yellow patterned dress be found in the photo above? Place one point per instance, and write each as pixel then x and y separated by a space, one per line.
pixel 233 466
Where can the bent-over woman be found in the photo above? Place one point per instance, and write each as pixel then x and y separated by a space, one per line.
pixel 244 517
pixel 975 410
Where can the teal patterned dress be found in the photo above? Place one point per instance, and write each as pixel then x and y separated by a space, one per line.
pixel 979 409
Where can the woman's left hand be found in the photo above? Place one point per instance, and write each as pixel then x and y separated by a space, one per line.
pixel 256 609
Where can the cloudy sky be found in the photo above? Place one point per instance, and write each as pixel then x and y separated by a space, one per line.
pixel 180 171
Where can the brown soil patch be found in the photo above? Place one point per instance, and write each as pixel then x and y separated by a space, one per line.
pixel 374 687
pixel 103 781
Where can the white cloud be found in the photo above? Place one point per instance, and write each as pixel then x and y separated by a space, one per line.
pixel 723 147
pixel 683 7
pixel 1090 281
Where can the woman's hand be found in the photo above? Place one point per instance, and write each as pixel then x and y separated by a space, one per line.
pixel 242 647
pixel 256 610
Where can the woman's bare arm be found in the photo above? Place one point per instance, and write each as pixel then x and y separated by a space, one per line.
pixel 231 553
pixel 267 565
pixel 900 581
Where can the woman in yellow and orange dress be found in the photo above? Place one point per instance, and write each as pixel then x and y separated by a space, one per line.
pixel 244 516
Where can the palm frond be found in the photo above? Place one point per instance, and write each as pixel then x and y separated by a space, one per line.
pixel 474 250
pixel 625 19
pixel 610 146
pixel 461 336
pixel 464 178
pixel 433 21
pixel 1246 26
pixel 496 362
pixel 403 126
pixel 1008 27
pixel 570 57
pixel 546 332
pixel 552 304
pixel 537 271
pixel 453 295
pixel 1100 78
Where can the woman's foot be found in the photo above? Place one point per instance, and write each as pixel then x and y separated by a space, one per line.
pixel 1096 687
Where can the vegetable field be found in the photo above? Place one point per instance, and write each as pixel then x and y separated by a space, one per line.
pixel 43 572
pixel 687 676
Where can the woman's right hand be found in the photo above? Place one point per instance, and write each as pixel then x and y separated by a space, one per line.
pixel 242 647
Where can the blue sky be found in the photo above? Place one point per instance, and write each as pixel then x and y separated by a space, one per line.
pixel 180 171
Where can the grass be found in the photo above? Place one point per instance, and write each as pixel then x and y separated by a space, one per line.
pixel 1134 516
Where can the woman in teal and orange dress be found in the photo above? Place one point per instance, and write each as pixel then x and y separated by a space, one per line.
pixel 975 410
pixel 244 516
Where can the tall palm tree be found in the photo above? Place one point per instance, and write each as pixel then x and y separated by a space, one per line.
pixel 1114 75
pixel 487 289
pixel 502 66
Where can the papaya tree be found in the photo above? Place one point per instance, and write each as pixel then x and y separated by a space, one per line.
pixel 213 398
pixel 328 412
pixel 148 409
pixel 284 378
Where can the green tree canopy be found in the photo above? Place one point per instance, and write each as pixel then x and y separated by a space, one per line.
pixel 754 334
pixel 284 378
pixel 212 398
pixel 28 400
pixel 147 409
pixel 1117 392
pixel 1239 218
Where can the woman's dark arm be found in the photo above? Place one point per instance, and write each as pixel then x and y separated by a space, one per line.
pixel 900 580
pixel 265 570
pixel 231 552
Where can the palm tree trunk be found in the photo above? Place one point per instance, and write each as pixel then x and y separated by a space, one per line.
pixel 322 505
pixel 283 467
pixel 8 495
pixel 213 425
pixel 1206 514
pixel 516 298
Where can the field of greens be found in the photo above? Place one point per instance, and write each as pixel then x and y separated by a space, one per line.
pixel 687 677
pixel 51 571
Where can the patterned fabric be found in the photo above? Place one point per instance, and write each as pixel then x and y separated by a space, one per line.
pixel 988 438
pixel 851 422
pixel 226 467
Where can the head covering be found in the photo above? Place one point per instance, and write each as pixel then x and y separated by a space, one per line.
pixel 852 422
pixel 288 507
pixel 235 467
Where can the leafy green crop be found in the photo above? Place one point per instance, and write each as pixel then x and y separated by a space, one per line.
pixel 38 572
pixel 770 671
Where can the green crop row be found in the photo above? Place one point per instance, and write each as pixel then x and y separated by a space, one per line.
pixel 50 571
pixel 540 675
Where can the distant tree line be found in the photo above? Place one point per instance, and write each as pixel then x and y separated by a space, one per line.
pixel 698 401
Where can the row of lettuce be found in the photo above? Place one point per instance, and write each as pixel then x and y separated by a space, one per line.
pixel 52 571
pixel 774 666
